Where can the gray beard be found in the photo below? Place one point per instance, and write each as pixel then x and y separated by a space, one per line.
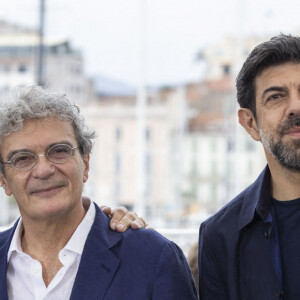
pixel 287 155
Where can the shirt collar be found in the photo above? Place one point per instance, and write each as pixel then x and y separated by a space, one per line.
pixel 15 244
pixel 257 199
pixel 76 242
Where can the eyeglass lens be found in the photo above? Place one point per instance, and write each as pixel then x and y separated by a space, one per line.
pixel 56 154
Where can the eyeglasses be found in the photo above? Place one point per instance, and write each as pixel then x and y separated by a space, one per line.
pixel 56 154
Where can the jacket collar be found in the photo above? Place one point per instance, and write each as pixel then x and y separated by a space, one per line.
pixel 5 241
pixel 257 199
pixel 98 263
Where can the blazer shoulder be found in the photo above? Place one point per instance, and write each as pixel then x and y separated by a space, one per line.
pixel 145 237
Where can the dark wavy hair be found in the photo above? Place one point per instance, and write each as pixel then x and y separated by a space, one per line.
pixel 278 50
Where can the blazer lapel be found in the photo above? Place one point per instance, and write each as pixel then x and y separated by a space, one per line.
pixel 3 270
pixel 5 240
pixel 98 263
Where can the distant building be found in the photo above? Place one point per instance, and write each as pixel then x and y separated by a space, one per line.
pixel 63 69
pixel 225 58
pixel 220 158
pixel 64 72
pixel 114 163
pixel 108 88
pixel 196 155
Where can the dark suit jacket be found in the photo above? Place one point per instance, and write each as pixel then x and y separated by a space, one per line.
pixel 134 265
pixel 239 253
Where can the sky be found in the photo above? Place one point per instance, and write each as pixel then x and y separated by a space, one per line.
pixel 154 41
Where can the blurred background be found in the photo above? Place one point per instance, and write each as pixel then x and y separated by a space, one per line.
pixel 156 80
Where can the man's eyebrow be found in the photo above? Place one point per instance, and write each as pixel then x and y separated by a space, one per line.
pixel 273 89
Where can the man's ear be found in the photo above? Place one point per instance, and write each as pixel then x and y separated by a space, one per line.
pixel 247 120
pixel 4 184
pixel 86 161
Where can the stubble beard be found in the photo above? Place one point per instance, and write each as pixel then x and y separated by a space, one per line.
pixel 288 153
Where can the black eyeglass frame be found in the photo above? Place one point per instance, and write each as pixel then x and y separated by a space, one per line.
pixel 10 162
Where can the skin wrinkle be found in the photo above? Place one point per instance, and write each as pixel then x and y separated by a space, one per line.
pixel 276 97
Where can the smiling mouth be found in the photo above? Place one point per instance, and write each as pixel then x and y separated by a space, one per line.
pixel 47 190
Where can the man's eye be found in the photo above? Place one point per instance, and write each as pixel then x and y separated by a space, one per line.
pixel 60 149
pixel 274 97
pixel 20 160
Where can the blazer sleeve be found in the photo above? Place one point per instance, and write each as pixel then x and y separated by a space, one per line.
pixel 211 283
pixel 173 279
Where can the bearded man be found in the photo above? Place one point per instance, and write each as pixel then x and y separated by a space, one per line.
pixel 250 250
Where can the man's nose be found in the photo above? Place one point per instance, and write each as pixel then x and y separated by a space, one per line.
pixel 294 104
pixel 43 167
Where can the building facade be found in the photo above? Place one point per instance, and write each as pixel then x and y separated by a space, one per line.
pixel 63 67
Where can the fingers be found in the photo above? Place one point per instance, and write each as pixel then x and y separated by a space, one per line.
pixel 106 210
pixel 139 223
pixel 126 221
pixel 117 222
pixel 122 219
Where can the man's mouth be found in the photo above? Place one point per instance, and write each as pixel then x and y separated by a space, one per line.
pixel 294 131
pixel 46 190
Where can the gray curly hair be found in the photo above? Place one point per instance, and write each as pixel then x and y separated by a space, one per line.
pixel 23 104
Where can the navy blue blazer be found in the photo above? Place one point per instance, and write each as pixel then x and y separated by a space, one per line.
pixel 239 254
pixel 135 265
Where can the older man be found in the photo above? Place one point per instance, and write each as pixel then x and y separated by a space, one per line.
pixel 61 247
pixel 250 250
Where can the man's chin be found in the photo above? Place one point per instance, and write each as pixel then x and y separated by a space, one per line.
pixel 292 164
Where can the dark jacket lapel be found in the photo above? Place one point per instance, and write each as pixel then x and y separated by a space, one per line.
pixel 5 240
pixel 98 263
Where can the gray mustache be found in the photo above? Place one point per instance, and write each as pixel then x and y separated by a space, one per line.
pixel 289 123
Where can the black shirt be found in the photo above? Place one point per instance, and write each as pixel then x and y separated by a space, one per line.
pixel 288 224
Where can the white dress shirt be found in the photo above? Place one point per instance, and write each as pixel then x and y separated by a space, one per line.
pixel 24 274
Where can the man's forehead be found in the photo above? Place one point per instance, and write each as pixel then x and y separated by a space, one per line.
pixel 50 123
pixel 39 133
pixel 276 76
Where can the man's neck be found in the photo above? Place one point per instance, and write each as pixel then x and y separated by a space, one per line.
pixel 50 235
pixel 44 239
pixel 285 183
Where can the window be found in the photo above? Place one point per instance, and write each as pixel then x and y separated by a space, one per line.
pixel 148 163
pixel 226 69
pixel 148 189
pixel 23 68
pixel 4 68
pixel 118 134
pixel 117 163
pixel 230 145
pixel 147 134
